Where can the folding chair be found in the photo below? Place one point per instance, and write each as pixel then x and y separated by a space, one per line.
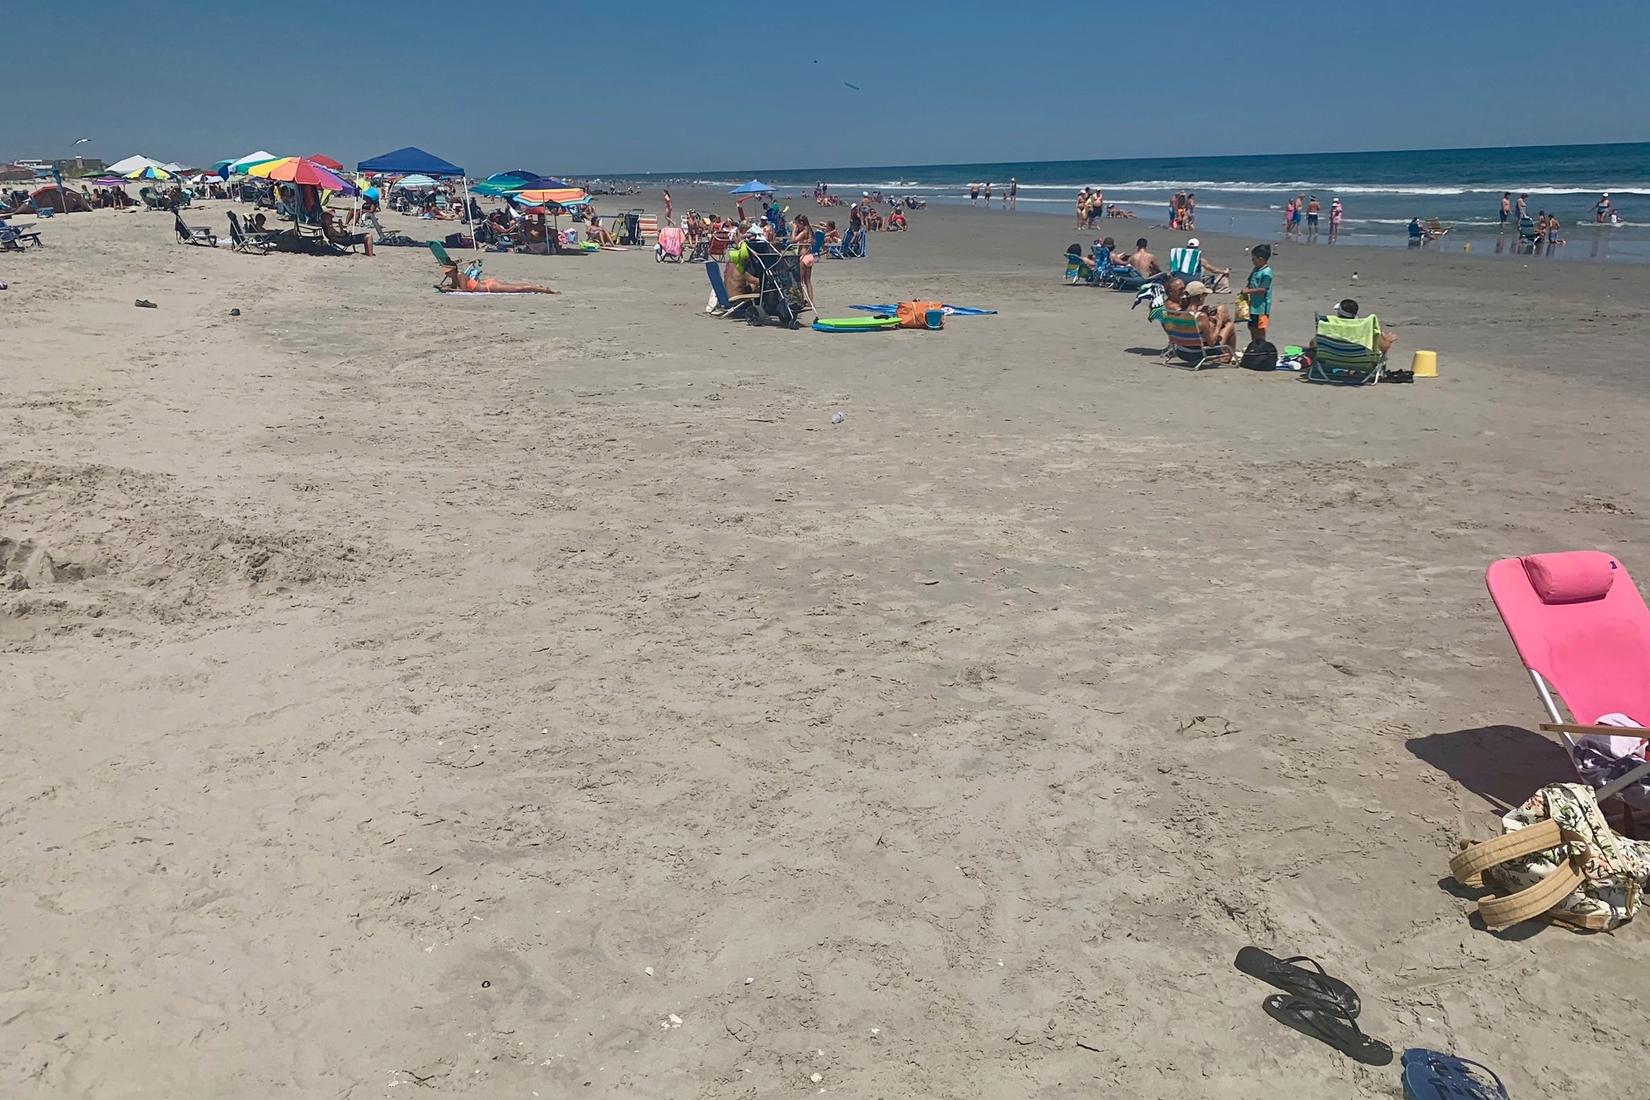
pixel 1582 631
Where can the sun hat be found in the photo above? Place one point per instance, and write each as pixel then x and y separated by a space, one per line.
pixel 1197 288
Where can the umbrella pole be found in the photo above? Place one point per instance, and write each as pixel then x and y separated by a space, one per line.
pixel 475 241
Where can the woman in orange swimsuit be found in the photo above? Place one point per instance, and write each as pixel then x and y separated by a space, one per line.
pixel 461 279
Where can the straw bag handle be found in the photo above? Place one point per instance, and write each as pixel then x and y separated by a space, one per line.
pixel 1532 901
pixel 1469 866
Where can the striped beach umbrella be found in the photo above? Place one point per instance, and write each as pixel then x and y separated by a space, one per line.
pixel 304 171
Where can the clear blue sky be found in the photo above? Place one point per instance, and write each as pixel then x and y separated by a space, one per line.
pixel 592 88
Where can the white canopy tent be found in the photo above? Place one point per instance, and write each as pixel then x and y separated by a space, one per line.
pixel 131 164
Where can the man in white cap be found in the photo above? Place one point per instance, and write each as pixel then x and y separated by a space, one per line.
pixel 1189 264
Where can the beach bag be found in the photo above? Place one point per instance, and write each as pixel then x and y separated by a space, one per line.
pixel 1558 859
pixel 1240 309
pixel 1260 355
pixel 920 314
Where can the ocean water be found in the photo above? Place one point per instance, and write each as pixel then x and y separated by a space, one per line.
pixel 1245 195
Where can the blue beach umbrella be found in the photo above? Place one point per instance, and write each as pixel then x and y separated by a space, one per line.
pixel 754 187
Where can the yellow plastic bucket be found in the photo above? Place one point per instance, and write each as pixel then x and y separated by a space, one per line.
pixel 1425 364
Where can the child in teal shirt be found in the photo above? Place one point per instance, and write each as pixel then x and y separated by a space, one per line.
pixel 1259 292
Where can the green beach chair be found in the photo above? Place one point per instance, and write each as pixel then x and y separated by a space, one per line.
pixel 1347 352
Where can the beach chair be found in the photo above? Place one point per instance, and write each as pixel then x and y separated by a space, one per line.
pixel 1186 262
pixel 1081 270
pixel 1186 347
pixel 1582 631
pixel 388 237
pixel 738 306
pixel 852 246
pixel 15 238
pixel 194 234
pixel 1346 352
pixel 1436 229
pixel 669 248
pixel 240 241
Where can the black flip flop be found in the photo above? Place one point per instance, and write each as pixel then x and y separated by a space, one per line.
pixel 1320 1022
pixel 1282 973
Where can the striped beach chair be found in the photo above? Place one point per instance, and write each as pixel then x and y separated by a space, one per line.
pixel 1186 348
pixel 1346 352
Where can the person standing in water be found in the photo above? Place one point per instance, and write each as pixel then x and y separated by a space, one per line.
pixel 1506 209
pixel 1335 213
pixel 987 193
pixel 973 194
pixel 1013 200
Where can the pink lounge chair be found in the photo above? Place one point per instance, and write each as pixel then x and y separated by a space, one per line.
pixel 1582 630
pixel 670 243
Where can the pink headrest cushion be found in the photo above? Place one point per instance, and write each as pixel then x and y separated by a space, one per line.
pixel 1570 578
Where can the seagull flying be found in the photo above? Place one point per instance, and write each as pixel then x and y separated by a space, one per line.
pixel 82 141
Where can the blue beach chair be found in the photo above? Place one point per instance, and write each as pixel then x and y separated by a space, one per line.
pixel 737 306
pixel 852 246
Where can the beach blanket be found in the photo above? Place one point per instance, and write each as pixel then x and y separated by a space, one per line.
pixel 482 293
pixel 950 311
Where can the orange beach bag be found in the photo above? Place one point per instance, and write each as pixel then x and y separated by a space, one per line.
pixel 916 314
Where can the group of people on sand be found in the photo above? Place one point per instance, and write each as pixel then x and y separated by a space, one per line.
pixel 1189 282
pixel 1092 205
pixel 1308 210
pixel 1183 211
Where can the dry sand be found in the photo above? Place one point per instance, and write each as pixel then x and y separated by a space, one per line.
pixel 541 697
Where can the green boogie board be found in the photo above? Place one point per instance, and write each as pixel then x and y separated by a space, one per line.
pixel 855 324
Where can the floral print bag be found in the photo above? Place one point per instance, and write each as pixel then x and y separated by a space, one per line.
pixel 1559 859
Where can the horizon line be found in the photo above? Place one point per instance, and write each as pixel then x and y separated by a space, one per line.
pixel 1082 160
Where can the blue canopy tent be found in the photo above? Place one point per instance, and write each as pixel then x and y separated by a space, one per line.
pixel 405 162
pixel 754 187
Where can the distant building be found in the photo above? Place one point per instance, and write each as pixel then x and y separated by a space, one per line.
pixel 69 166
pixel 80 166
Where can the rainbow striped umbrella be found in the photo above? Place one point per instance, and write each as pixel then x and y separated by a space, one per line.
pixel 149 172
pixel 302 170
pixel 550 196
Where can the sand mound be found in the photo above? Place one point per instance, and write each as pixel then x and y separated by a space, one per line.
pixel 90 542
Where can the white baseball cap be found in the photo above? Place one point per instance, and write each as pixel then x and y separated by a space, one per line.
pixel 1192 243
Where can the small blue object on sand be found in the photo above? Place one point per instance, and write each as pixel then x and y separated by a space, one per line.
pixel 950 311
pixel 1434 1075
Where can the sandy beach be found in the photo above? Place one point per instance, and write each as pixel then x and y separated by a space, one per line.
pixel 416 695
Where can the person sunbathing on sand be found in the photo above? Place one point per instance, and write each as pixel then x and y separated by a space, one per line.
pixel 470 280
pixel 1112 211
